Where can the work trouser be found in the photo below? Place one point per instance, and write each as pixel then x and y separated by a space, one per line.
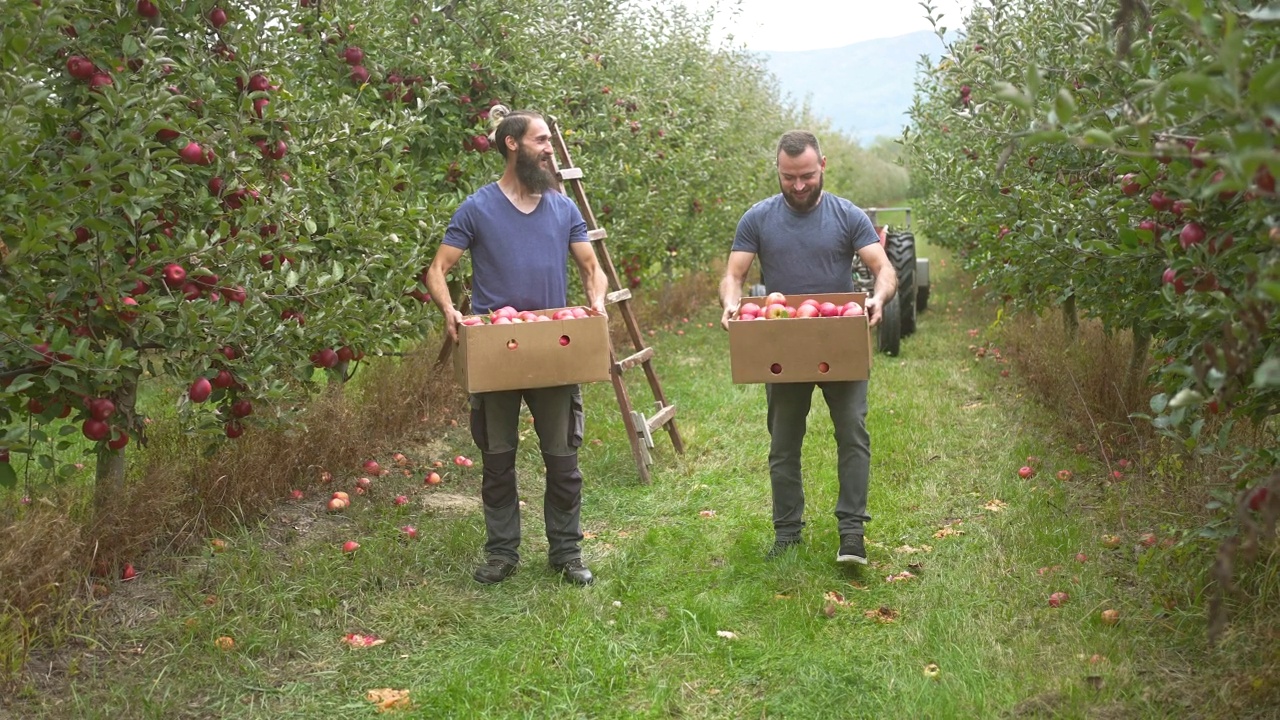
pixel 495 427
pixel 788 412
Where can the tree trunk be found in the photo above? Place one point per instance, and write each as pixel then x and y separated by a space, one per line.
pixel 109 480
pixel 1070 319
pixel 1137 360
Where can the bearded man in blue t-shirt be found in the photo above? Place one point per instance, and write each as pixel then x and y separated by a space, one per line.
pixel 806 241
pixel 521 231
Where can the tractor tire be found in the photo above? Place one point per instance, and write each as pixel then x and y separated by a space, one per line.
pixel 889 337
pixel 901 249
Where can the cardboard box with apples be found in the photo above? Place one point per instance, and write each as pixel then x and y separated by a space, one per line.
pixel 514 350
pixel 823 338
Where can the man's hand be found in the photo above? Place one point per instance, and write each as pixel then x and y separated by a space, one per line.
pixel 452 319
pixel 597 308
pixel 729 312
pixel 874 311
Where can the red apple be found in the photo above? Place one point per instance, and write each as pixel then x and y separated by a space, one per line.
pixel 401 499
pixel 242 408
pixel 350 546
pixel 337 504
pixel 80 68
pixel 233 429
pixel 1057 599
pixel 432 478
pixel 200 390
pixel 372 467
pixel 324 358
pixel 851 309
pixel 218 17
pixel 808 311
pixel 174 275
pixel 359 75
pixel 1192 234
pixel 1064 475
pixel 775 298
pixel 1110 617
pixel 96 429
pixel 192 154
pixel 296 494
pixel 748 309
pixel 259 83
pixel 775 310
pixel 410 532
pixel 101 408
pixel 823 367
pixel 128 572
pixel 353 55
pixel 1025 472
pixel 828 309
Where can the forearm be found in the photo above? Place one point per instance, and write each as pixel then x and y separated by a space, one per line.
pixel 730 291
pixel 438 287
pixel 886 284
pixel 595 285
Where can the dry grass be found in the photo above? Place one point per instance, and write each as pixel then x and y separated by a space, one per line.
pixel 1083 380
pixel 176 496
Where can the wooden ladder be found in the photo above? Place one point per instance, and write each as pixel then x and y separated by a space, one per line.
pixel 640 429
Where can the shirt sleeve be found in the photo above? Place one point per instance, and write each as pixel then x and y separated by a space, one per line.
pixel 461 230
pixel 747 236
pixel 863 232
pixel 577 225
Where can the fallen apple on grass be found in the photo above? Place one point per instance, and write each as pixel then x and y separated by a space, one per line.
pixel 1111 542
pixel 401 499
pixel 350 546
pixel 225 643
pixel 432 478
pixel 1110 617
pixel 410 532
pixel 1057 599
pixel 337 504
pixel 1064 475
pixel 1026 472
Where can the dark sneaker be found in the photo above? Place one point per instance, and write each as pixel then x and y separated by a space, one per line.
pixel 575 572
pixel 780 547
pixel 852 550
pixel 495 570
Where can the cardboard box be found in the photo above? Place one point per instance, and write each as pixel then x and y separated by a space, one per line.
pixel 521 356
pixel 792 349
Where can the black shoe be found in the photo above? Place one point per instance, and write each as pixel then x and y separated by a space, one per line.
pixel 574 571
pixel 781 546
pixel 852 550
pixel 495 570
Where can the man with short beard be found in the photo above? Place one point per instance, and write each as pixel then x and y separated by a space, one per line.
pixel 806 241
pixel 521 231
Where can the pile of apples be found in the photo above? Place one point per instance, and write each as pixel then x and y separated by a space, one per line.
pixel 510 316
pixel 776 306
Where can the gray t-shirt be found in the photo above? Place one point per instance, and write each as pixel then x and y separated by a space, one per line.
pixel 809 252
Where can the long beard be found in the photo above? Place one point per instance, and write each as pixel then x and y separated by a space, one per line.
pixel 533 173
pixel 810 199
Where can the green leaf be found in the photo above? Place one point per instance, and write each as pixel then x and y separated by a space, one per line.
pixel 1064 106
pixel 1186 397
pixel 310 225
pixel 291 279
pixel 1267 375
pixel 130 46
pixel 1007 91
pixel 8 478
pixel 1094 136
pixel 1159 403
pixel 1270 13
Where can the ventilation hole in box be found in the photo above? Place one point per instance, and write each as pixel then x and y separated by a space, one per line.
pixel 776 369
pixel 564 339
pixel 824 368
pixel 512 344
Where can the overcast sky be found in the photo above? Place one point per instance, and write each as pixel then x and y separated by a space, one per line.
pixel 814 24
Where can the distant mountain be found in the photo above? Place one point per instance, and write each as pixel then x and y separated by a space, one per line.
pixel 865 89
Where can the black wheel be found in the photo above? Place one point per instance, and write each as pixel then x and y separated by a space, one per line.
pixel 890 335
pixel 901 249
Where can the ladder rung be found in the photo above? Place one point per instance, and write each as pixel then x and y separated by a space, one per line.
pixel 570 173
pixel 662 417
pixel 617 296
pixel 597 234
pixel 643 356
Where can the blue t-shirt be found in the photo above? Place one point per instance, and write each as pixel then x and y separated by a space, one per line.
pixel 809 252
pixel 516 259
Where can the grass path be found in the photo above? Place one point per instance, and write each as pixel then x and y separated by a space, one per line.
pixel 680 564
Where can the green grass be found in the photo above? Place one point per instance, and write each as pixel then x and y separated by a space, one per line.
pixel 948 435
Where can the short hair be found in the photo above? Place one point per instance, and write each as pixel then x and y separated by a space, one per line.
pixel 793 143
pixel 513 125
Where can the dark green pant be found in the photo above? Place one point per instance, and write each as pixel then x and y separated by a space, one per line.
pixel 788 415
pixel 495 427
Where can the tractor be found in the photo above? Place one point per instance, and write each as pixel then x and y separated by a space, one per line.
pixel 899 319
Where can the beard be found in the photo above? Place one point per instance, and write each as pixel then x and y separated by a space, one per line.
pixel 534 172
pixel 806 202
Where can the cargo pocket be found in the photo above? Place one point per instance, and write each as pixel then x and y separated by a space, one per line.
pixel 576 420
pixel 478 431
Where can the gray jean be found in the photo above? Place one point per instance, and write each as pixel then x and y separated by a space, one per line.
pixel 558 422
pixel 788 413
